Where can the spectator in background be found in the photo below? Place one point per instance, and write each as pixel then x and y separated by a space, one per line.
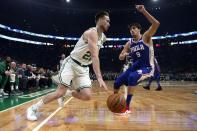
pixel 31 84
pixel 4 75
pixel 61 60
pixel 43 79
pixel 22 78
pixel 49 75
pixel 14 80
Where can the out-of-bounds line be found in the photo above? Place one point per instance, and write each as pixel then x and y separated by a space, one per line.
pixel 49 117
pixel 20 104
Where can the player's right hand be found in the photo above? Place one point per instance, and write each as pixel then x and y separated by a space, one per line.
pixel 140 8
pixel 102 84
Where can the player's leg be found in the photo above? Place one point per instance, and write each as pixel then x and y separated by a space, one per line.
pixel 147 87
pixel 82 84
pixel 65 77
pixel 132 82
pixel 125 91
pixel 82 94
pixel 159 88
pixel 31 111
pixel 122 79
pixel 133 79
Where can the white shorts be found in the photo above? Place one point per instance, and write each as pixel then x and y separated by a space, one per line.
pixel 74 74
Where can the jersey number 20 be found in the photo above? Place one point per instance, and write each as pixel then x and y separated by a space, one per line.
pixel 87 56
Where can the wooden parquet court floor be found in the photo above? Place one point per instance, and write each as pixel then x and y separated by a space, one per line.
pixel 173 109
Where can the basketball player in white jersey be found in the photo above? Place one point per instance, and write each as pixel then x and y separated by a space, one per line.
pixel 75 67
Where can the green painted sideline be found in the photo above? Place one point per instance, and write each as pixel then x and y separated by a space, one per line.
pixel 9 102
pixel 36 94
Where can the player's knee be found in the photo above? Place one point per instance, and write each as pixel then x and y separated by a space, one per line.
pixel 131 77
pixel 87 97
pixel 117 84
pixel 132 80
pixel 59 94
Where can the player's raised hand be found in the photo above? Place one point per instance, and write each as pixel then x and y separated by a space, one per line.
pixel 140 8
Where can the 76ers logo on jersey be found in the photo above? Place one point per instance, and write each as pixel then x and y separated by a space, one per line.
pixel 137 48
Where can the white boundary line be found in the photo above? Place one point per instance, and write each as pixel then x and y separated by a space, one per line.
pixel 49 117
pixel 27 102
pixel 20 104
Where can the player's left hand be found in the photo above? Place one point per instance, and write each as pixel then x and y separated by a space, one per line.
pixel 140 8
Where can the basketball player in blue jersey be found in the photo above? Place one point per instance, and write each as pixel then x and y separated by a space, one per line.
pixel 155 77
pixel 140 48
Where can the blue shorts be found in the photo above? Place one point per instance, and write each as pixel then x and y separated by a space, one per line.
pixel 131 77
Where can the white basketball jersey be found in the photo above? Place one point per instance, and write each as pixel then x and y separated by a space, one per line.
pixel 81 51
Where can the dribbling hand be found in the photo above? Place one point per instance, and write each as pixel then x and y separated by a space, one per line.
pixel 102 84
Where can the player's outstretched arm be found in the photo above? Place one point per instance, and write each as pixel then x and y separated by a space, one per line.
pixel 154 23
pixel 92 44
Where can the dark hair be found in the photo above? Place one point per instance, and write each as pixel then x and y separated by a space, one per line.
pixel 100 15
pixel 136 25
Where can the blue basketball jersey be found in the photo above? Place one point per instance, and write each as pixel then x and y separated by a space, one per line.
pixel 142 54
pixel 142 67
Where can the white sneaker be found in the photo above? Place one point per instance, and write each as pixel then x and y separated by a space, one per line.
pixel 5 94
pixel 61 101
pixel 31 114
pixel 128 111
pixel 123 113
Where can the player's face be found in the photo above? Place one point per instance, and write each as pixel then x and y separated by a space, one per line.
pixel 105 23
pixel 134 31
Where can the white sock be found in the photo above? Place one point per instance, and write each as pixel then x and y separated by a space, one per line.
pixel 16 87
pixel 12 87
pixel 38 105
pixel 68 92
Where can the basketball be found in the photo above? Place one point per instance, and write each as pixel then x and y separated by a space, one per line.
pixel 116 103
